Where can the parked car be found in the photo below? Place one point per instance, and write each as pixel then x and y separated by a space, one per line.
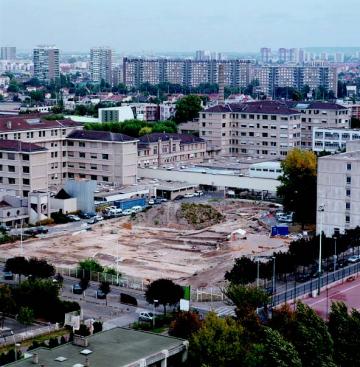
pixel 151 201
pixel 100 294
pixel 342 263
pixel 127 212
pixel 87 215
pixel 302 277
pixel 189 195
pixel 36 230
pixel 179 197
pixel 353 259
pixel 198 193
pixel 8 275
pixel 77 289
pixel 146 316
pixel 137 208
pixel 92 220
pixel 163 200
pixel 4 227
pixel 73 218
pixel 99 218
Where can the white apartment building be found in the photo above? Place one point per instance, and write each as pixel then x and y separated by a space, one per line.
pixel 102 156
pixel 46 63
pixel 266 129
pixel 157 149
pixel 101 64
pixel 338 191
pixel 333 140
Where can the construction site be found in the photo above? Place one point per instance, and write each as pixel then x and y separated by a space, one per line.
pixel 187 242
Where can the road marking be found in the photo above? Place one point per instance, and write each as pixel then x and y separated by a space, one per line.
pixel 339 292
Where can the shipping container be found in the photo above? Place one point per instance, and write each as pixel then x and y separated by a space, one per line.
pixel 129 203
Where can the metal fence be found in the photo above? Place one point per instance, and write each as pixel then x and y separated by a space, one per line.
pixel 207 295
pixel 299 290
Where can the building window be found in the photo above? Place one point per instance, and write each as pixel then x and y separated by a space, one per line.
pixel 105 156
pixel 347 219
pixel 70 143
pixel 11 168
pixel 11 156
pixel 348 166
pixel 93 166
pixel 348 192
pixel 81 144
pixel 105 178
pixel 25 193
pixel 347 205
pixel 26 181
pixel 26 169
pixel 348 180
pixel 82 155
pixel 11 181
pixel 25 157
pixel 93 177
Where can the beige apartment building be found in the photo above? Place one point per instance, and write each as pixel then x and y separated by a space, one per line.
pixel 158 149
pixel 265 129
pixel 47 134
pixel 23 167
pixel 102 156
pixel 319 114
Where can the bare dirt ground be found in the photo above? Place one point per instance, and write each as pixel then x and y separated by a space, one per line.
pixel 160 244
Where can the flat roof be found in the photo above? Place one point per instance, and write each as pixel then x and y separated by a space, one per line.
pixel 354 155
pixel 112 348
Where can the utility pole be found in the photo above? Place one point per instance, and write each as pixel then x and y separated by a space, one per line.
pixel 321 211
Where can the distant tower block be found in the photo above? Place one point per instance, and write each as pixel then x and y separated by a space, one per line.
pixel 221 80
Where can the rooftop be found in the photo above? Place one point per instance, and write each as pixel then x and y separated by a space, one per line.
pixel 31 122
pixel 154 137
pixel 99 135
pixel 19 146
pixel 113 348
pixel 315 105
pixel 353 156
pixel 264 107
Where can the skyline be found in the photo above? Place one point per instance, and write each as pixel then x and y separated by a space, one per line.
pixel 154 27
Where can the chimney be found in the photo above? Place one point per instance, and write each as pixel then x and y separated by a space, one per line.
pixel 221 81
pixel 35 358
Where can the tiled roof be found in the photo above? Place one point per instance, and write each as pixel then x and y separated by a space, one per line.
pixel 99 135
pixel 154 137
pixel 28 122
pixel 19 146
pixel 265 107
pixel 315 105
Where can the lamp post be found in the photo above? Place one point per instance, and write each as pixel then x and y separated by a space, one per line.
pixel 335 253
pixel 257 272
pixel 274 276
pixel 154 304
pixel 321 210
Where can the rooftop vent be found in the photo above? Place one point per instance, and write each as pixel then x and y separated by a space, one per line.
pixel 33 121
pixel 85 352
pixel 60 359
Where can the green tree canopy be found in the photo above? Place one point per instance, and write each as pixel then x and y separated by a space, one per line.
pixel 188 108
pixel 298 184
pixel 26 316
pixel 185 324
pixel 165 292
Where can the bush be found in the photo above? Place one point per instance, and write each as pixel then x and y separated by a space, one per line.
pixel 98 326
pixel 127 299
pixel 83 331
pixel 200 215
pixel 53 342
pixel 45 222
pixel 60 218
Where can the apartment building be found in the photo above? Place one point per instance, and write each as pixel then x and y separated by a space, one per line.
pixel 338 191
pixel 7 53
pixel 23 167
pixel 102 156
pixel 333 140
pixel 266 129
pixel 46 63
pixel 272 77
pixel 157 149
pixel 185 72
pixel 319 114
pixel 265 55
pixel 47 134
pixel 101 64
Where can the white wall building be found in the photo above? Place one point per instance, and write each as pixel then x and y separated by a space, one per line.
pixel 333 140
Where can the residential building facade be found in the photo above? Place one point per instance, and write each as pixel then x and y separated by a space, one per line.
pixel 46 63
pixel 266 129
pixel 7 53
pixel 101 64
pixel 338 192
pixel 157 149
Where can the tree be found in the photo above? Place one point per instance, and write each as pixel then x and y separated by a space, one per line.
pixel 344 328
pixel 298 184
pixel 277 352
pixel 84 283
pixel 13 86
pixel 165 292
pixel 185 324
pixel 37 95
pixel 40 268
pixel 145 130
pixel 243 272
pixel 89 265
pixel 7 303
pixel 105 288
pixel 17 265
pixel 188 108
pixel 219 343
pixel 26 316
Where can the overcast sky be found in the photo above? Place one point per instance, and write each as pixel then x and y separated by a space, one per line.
pixel 179 25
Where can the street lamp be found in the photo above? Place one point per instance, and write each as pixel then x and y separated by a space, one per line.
pixel 335 252
pixel 321 209
pixel 154 304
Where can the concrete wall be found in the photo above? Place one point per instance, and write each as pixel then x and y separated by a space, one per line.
pixel 66 206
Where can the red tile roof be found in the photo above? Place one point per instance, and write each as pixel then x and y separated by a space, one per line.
pixel 19 146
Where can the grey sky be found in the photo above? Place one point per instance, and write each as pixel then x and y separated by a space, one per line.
pixel 181 25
